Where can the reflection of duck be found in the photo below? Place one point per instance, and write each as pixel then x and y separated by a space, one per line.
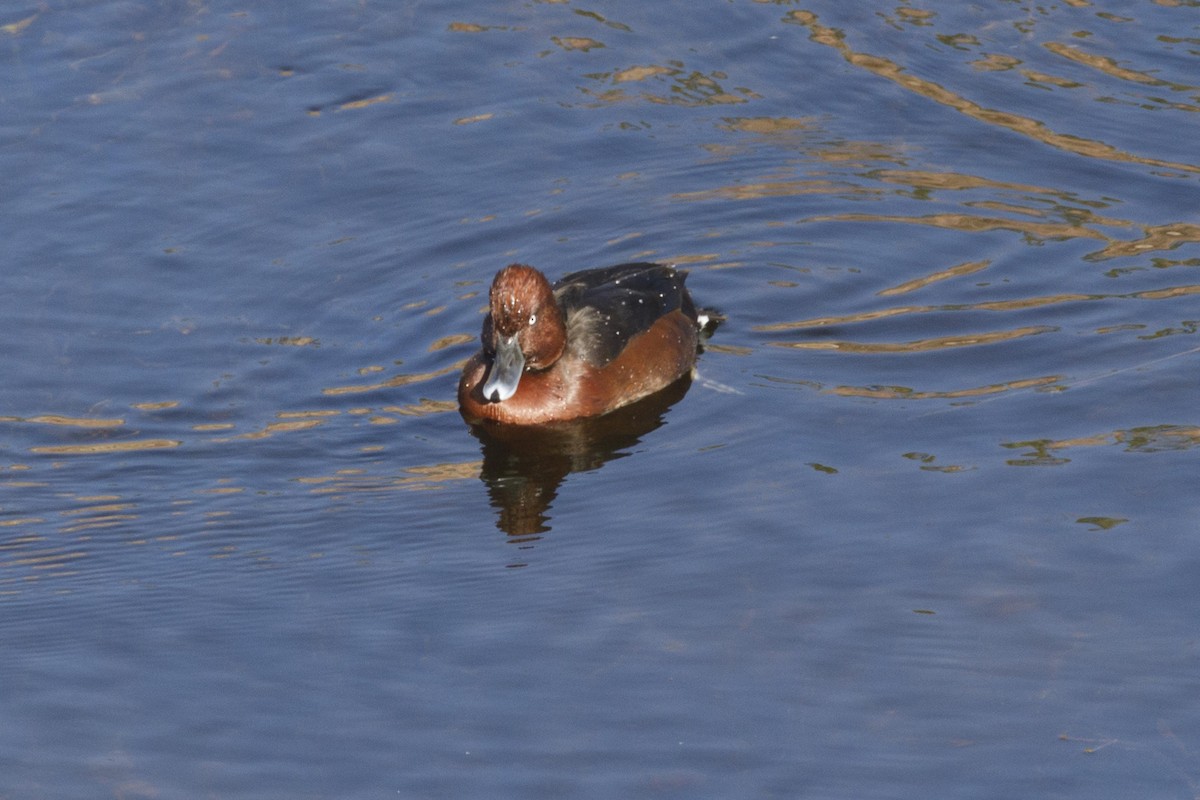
pixel 593 342
pixel 524 465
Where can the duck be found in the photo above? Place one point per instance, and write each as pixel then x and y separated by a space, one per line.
pixel 594 341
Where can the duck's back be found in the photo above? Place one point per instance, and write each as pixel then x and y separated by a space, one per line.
pixel 606 308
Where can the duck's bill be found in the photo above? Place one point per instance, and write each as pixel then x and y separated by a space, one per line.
pixel 505 373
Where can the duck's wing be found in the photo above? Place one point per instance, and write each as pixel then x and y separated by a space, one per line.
pixel 605 308
pixel 593 278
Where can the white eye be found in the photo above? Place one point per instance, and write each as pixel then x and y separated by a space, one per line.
pixel 532 319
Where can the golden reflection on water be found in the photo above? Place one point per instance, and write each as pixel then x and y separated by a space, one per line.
pixel 106 447
pixel 15 28
pixel 274 428
pixel 922 181
pixel 921 345
pixel 905 393
pixel 416 478
pixel 286 421
pixel 1025 126
pixel 160 406
pixel 768 125
pixel 354 105
pixel 582 43
pixel 423 407
pixel 754 191
pixel 75 422
pixel 1110 67
pixel 29 551
pixel 1149 439
pixel 956 271
pixel 681 86
pixel 399 380
pixel 1018 304
pixel 971 223
pixel 53 562
pixel 798 134
pixel 451 341
pixel 1154 237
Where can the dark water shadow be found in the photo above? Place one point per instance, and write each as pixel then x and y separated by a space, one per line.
pixel 523 466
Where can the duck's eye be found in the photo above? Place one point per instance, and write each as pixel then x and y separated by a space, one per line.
pixel 532 319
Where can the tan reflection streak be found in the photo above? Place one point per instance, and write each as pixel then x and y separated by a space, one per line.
pixel 953 272
pixel 307 414
pixel 859 152
pixel 473 119
pixel 423 408
pixel 690 89
pixel 455 471
pixel 1025 126
pixel 1032 302
pixel 107 521
pixel 753 191
pixel 281 427
pixel 107 447
pixel 697 89
pixel 993 205
pixel 640 73
pixel 767 125
pixel 450 341
pixel 399 380
pixel 919 179
pixel 974 224
pixel 920 345
pixel 994 62
pixel 1157 237
pixel 156 406
pixel 13 28
pixel 1163 437
pixel 1166 294
pixel 370 101
pixel 50 558
pixel 1052 80
pixel 1148 439
pixel 74 512
pixel 1103 64
pixel 417 478
pixel 76 422
pixel 866 316
pixel 289 341
pixel 993 305
pixel 902 393
pixel 581 43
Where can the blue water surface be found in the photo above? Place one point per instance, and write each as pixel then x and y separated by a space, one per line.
pixel 923 523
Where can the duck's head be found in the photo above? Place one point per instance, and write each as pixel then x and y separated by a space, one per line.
pixel 524 330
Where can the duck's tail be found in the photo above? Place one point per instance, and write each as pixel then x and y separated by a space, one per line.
pixel 708 320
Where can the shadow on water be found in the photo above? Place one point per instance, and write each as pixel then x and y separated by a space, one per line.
pixel 523 466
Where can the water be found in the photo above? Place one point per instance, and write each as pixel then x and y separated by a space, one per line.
pixel 922 524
